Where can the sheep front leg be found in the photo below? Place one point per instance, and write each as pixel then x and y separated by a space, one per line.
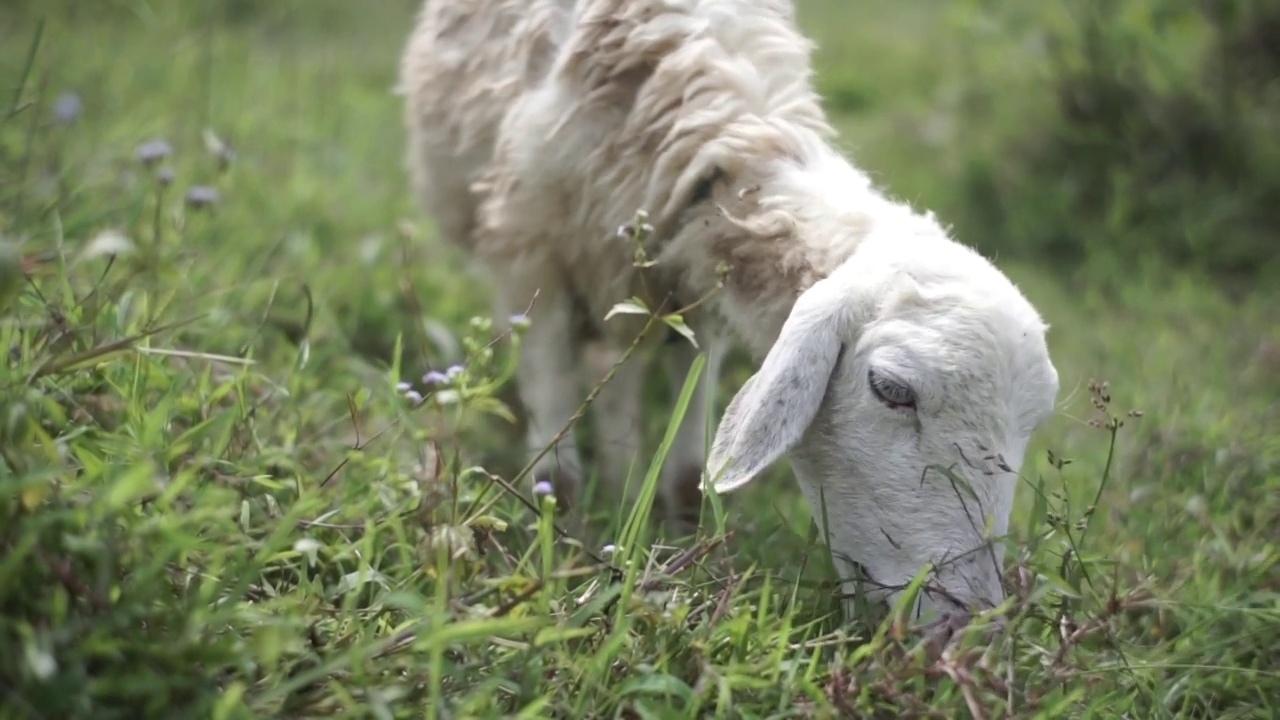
pixel 617 415
pixel 548 383
pixel 682 474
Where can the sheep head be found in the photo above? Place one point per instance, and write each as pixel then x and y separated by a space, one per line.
pixel 904 388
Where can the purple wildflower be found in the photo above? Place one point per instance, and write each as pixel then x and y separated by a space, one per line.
pixel 164 176
pixel 520 321
pixel 543 488
pixel 67 108
pixel 454 371
pixel 435 377
pixel 414 397
pixel 153 151
pixel 202 196
pixel 404 386
pixel 609 549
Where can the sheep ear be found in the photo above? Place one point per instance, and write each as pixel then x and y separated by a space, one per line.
pixel 776 405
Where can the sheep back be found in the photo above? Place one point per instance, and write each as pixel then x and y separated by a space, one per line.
pixel 539 126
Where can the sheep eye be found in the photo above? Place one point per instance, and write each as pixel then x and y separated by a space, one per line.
pixel 702 191
pixel 891 393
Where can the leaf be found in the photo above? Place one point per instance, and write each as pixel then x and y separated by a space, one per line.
pixel 196 355
pixel 33 495
pixel 358 578
pixel 134 484
pixel 487 405
pixel 487 522
pixel 480 630
pixel 230 700
pixel 100 353
pixel 550 636
pixel 634 306
pixel 659 684
pixel 677 323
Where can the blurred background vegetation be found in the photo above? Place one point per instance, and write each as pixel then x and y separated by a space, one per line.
pixel 1119 158
pixel 1088 133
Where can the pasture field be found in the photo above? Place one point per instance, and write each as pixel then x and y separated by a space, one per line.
pixel 215 502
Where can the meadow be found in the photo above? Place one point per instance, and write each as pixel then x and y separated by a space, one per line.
pixel 216 502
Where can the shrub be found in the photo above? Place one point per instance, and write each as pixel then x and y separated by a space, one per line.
pixel 1163 141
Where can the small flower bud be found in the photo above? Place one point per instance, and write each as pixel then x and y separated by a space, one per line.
pixel 67 108
pixel 202 196
pixel 153 151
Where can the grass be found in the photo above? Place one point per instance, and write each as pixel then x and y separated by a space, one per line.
pixel 217 503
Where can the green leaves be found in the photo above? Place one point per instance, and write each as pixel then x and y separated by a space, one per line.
pixel 676 322
pixel 636 306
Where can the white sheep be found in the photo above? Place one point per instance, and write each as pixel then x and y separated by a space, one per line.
pixel 893 360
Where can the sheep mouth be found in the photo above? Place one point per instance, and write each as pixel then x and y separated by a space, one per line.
pixel 951 615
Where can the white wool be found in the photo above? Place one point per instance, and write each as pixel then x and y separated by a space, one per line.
pixel 538 127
